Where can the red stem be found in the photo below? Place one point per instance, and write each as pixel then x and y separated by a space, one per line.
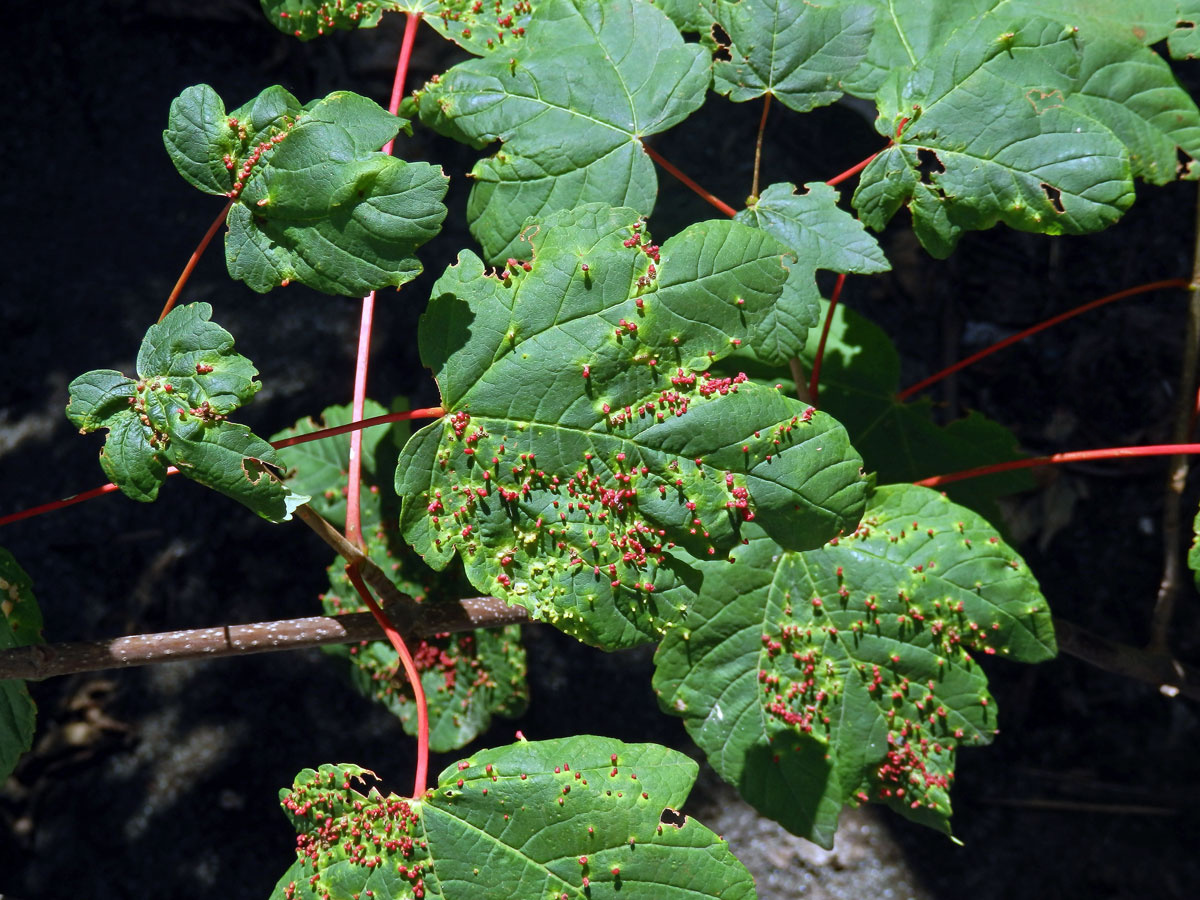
pixel 1057 458
pixel 362 360
pixel 853 170
pixel 353 507
pixel 414 679
pixel 195 258
pixel 432 412
pixel 1180 283
pixel 65 502
pixel 719 204
pixel 815 379
pixel 411 20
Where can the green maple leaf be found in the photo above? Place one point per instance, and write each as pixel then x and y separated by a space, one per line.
pixel 1194 552
pixel 316 200
pixel 791 49
pixel 175 413
pixel 905 31
pixel 1035 164
pixel 571 106
pixel 475 26
pixel 20 626
pixel 587 456
pixel 844 674
pixel 822 237
pixel 580 817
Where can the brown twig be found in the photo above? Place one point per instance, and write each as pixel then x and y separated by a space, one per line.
pixel 409 616
pixel 1177 469
pixel 758 144
pixel 801 380
pixel 48 660
pixel 1168 674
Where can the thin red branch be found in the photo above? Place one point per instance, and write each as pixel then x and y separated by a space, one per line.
pixel 195 258
pixel 411 21
pixel 361 364
pixel 58 504
pixel 758 143
pixel 658 158
pixel 1058 458
pixel 363 356
pixel 414 679
pixel 853 170
pixel 1176 283
pixel 814 380
pixel 431 412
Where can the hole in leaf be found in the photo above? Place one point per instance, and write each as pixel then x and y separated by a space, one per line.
pixel 1054 195
pixel 672 817
pixel 928 165
pixel 724 42
pixel 1183 163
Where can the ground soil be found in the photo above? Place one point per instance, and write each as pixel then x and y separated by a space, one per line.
pixel 163 780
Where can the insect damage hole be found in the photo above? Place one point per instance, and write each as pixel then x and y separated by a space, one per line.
pixel 928 165
pixel 723 41
pixel 1054 195
pixel 672 817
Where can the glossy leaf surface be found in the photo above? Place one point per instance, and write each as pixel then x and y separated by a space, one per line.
pixel 1034 162
pixel 475 26
pixel 845 674
pixel 570 105
pixel 175 413
pixel 791 49
pixel 317 202
pixel 823 237
pixel 577 817
pixel 587 455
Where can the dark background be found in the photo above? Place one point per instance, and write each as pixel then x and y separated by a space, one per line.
pixel 164 779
